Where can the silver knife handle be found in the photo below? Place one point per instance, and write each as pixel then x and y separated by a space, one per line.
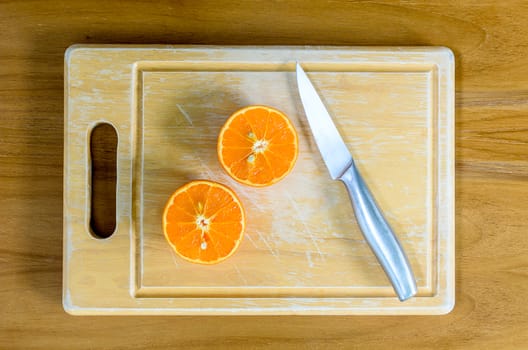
pixel 379 235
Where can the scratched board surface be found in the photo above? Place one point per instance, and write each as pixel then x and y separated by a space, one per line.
pixel 302 228
pixel 302 252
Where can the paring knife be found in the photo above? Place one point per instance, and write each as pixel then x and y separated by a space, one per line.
pixel 340 164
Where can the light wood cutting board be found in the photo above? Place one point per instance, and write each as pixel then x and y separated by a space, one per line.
pixel 303 252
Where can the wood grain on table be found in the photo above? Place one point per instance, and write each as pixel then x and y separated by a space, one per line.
pixel 491 48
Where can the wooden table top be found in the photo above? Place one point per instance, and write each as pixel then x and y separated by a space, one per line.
pixel 491 49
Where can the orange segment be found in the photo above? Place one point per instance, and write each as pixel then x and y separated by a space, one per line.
pixel 258 146
pixel 204 222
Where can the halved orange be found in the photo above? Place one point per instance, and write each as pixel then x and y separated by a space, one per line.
pixel 204 222
pixel 258 146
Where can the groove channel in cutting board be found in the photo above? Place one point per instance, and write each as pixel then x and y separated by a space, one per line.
pixel 295 223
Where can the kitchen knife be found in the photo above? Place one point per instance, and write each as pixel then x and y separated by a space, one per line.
pixel 340 164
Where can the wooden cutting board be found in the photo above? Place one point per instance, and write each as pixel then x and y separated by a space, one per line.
pixel 303 252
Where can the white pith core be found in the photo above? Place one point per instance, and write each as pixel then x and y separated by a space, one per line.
pixel 202 223
pixel 259 146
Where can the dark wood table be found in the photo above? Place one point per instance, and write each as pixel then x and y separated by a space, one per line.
pixel 490 42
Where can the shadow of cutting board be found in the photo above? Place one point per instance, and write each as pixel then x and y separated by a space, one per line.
pixel 303 252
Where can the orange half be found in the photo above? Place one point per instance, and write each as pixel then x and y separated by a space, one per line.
pixel 204 222
pixel 258 146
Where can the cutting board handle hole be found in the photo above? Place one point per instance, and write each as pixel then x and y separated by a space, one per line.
pixel 103 155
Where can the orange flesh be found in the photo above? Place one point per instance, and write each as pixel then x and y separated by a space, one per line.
pixel 204 222
pixel 258 146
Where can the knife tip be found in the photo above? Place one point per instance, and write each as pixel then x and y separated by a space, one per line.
pixel 298 66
